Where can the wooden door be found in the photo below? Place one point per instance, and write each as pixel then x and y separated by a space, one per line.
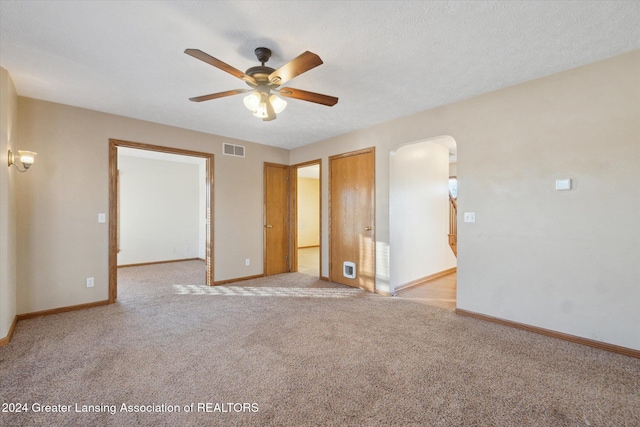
pixel 276 219
pixel 352 217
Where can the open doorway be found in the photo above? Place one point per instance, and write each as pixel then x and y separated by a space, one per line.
pixel 307 233
pixel 161 207
pixel 190 234
pixel 423 263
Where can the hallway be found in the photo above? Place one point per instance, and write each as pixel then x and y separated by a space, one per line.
pixel 440 292
pixel 309 261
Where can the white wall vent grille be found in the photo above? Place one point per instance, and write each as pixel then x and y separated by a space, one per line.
pixel 232 150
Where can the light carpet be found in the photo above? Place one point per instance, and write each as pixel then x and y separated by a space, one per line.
pixel 290 350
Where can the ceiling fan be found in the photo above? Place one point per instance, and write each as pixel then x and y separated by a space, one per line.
pixel 265 82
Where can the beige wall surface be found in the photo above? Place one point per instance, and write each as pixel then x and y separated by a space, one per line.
pixel 453 169
pixel 563 260
pixel 159 209
pixel 308 212
pixel 8 176
pixel 61 242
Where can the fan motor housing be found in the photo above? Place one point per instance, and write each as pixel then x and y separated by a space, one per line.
pixel 260 72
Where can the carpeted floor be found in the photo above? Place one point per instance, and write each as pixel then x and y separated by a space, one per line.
pixel 289 350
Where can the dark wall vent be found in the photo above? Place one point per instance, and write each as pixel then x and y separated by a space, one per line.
pixel 232 150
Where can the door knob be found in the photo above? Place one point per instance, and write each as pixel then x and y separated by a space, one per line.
pixel 367 228
pixel 269 226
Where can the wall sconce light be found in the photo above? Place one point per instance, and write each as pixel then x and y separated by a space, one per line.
pixel 25 157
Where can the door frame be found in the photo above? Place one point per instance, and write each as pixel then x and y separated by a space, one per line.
pixel 113 206
pixel 373 201
pixel 294 212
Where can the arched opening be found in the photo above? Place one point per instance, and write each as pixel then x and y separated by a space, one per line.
pixel 419 216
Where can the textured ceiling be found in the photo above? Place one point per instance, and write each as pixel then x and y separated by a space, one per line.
pixel 382 59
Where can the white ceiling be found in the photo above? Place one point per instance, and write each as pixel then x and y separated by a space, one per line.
pixel 382 59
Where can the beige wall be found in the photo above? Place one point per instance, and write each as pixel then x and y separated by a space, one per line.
pixel 61 242
pixel 556 260
pixel 308 212
pixel 8 176
pixel 159 209
pixel 453 169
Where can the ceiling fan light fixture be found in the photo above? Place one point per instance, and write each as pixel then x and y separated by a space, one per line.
pixel 257 101
pixel 278 103
pixel 252 101
pixel 261 111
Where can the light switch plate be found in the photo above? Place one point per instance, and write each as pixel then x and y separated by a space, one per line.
pixel 469 217
pixel 563 184
pixel 102 218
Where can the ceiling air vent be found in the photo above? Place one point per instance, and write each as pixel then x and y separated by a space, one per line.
pixel 233 150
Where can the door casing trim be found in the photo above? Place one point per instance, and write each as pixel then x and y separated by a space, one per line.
pixel 113 206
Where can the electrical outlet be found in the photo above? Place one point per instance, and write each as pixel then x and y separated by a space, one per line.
pixel 247 262
pixel 89 282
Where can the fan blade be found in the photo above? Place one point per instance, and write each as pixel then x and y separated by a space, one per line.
pixel 198 54
pixel 304 95
pixel 218 95
pixel 295 67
